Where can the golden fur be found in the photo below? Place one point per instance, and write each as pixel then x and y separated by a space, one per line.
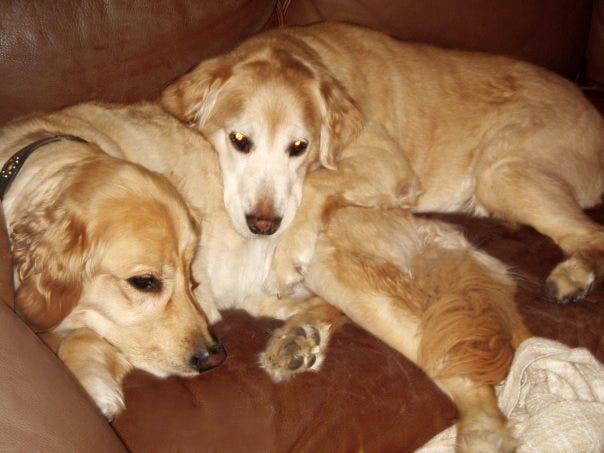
pixel 405 125
pixel 82 226
pixel 423 289
pixel 409 281
pixel 440 130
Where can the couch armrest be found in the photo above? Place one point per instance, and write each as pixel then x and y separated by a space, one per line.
pixel 42 407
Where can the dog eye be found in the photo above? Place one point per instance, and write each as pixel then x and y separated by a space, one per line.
pixel 298 147
pixel 146 283
pixel 240 142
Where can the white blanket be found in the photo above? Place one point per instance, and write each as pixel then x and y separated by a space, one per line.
pixel 553 397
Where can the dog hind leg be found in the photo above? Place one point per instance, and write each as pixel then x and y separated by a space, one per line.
pixel 470 331
pixel 529 195
pixel 455 319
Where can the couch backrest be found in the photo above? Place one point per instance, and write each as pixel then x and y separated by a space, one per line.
pixel 54 54
pixel 550 33
pixel 595 51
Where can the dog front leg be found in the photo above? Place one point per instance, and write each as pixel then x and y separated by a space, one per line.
pixel 301 343
pixel 97 365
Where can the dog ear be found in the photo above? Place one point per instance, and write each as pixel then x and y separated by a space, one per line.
pixel 342 120
pixel 193 96
pixel 49 250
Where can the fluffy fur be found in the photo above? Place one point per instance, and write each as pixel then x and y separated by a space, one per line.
pixel 441 130
pixel 102 252
pixel 423 289
pixel 416 284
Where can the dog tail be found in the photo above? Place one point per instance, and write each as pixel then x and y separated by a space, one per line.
pixel 470 326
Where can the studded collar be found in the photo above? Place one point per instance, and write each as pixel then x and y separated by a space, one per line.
pixel 13 165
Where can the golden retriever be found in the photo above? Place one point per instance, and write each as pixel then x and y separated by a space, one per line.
pixel 416 284
pixel 442 130
pixel 102 251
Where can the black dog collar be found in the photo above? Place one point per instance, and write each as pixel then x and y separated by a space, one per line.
pixel 13 165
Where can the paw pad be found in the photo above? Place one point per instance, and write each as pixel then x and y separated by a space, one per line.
pixel 293 351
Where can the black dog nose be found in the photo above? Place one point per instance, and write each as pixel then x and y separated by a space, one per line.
pixel 207 359
pixel 262 224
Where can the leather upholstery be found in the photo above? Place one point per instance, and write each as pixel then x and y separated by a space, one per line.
pixel 57 53
pixel 545 32
pixel 595 49
pixel 42 408
pixel 365 395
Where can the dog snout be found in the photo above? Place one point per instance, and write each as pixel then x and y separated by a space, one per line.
pixel 261 224
pixel 209 357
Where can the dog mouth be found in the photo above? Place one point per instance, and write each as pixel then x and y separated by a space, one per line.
pixel 264 225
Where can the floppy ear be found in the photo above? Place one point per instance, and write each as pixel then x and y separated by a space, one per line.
pixel 193 96
pixel 49 251
pixel 342 120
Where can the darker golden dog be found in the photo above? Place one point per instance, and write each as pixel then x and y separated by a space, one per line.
pixel 103 250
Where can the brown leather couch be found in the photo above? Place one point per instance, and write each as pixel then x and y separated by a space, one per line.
pixel 367 396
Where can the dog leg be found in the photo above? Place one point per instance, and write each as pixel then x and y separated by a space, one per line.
pixel 373 172
pixel 98 366
pixel 470 331
pixel 549 204
pixel 454 317
pixel 482 426
pixel 301 343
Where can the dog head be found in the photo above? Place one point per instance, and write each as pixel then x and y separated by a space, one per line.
pixel 272 112
pixel 113 253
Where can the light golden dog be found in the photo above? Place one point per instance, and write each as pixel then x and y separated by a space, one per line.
pixel 441 130
pixel 415 283
pixel 102 252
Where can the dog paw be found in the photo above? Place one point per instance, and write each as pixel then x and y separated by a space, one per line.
pixel 294 350
pixel 106 394
pixel 570 281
